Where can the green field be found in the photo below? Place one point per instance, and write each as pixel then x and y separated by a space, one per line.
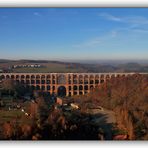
pixel 50 67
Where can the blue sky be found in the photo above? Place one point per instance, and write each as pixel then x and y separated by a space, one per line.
pixel 74 33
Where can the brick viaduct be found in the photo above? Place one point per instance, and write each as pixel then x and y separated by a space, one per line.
pixel 70 83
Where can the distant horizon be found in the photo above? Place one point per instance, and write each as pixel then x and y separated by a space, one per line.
pixel 85 61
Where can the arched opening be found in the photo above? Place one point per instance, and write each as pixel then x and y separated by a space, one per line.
pixel 48 77
pixel 43 87
pixel 37 81
pixel 48 82
pixel 86 87
pixel 22 76
pixel 74 87
pixel 80 87
pixel 48 87
pixel 12 76
pixel 37 87
pixel 86 79
pixel 37 76
pixel 80 79
pixel 53 81
pixel 75 79
pixel 69 79
pixel 69 87
pixel 53 76
pixel 42 81
pixel 62 91
pixel 112 76
pixel 32 77
pixel 7 77
pixel 2 77
pixel 91 87
pixel 43 77
pixel 17 76
pixel 32 81
pixel 27 77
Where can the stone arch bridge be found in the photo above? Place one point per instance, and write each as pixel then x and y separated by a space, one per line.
pixel 70 83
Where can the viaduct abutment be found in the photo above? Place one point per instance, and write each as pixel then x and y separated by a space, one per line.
pixel 74 83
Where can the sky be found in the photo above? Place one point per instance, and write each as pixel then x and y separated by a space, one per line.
pixel 74 33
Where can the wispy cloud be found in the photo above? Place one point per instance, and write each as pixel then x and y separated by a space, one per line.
pixel 141 30
pixel 90 43
pixel 97 41
pixel 136 20
pixel 110 17
pixel 36 14
pixel 139 20
pixel 135 25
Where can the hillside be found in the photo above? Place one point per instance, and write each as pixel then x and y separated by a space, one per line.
pixel 57 66
pixel 128 97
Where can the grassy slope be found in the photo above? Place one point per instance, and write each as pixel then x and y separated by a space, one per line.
pixel 50 67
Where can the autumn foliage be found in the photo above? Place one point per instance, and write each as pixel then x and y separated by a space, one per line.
pixel 128 97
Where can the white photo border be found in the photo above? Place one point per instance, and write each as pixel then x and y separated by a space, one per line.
pixel 74 3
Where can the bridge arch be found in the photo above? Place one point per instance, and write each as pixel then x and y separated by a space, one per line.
pixel 97 79
pixel 61 91
pixel 80 79
pixel 22 77
pixel 42 76
pixel 86 79
pixel 81 87
pixel 17 76
pixel 32 76
pixel 27 76
pixel 48 77
pixel 91 87
pixel 48 87
pixel 37 76
pixel 38 87
pixel 75 79
pixel 75 87
pixel 7 77
pixel 12 76
pixel 2 76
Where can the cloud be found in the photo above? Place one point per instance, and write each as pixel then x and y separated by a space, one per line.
pixel 139 20
pixel 36 14
pixel 94 42
pixel 134 20
pixel 140 30
pixel 90 43
pixel 110 17
pixel 135 24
